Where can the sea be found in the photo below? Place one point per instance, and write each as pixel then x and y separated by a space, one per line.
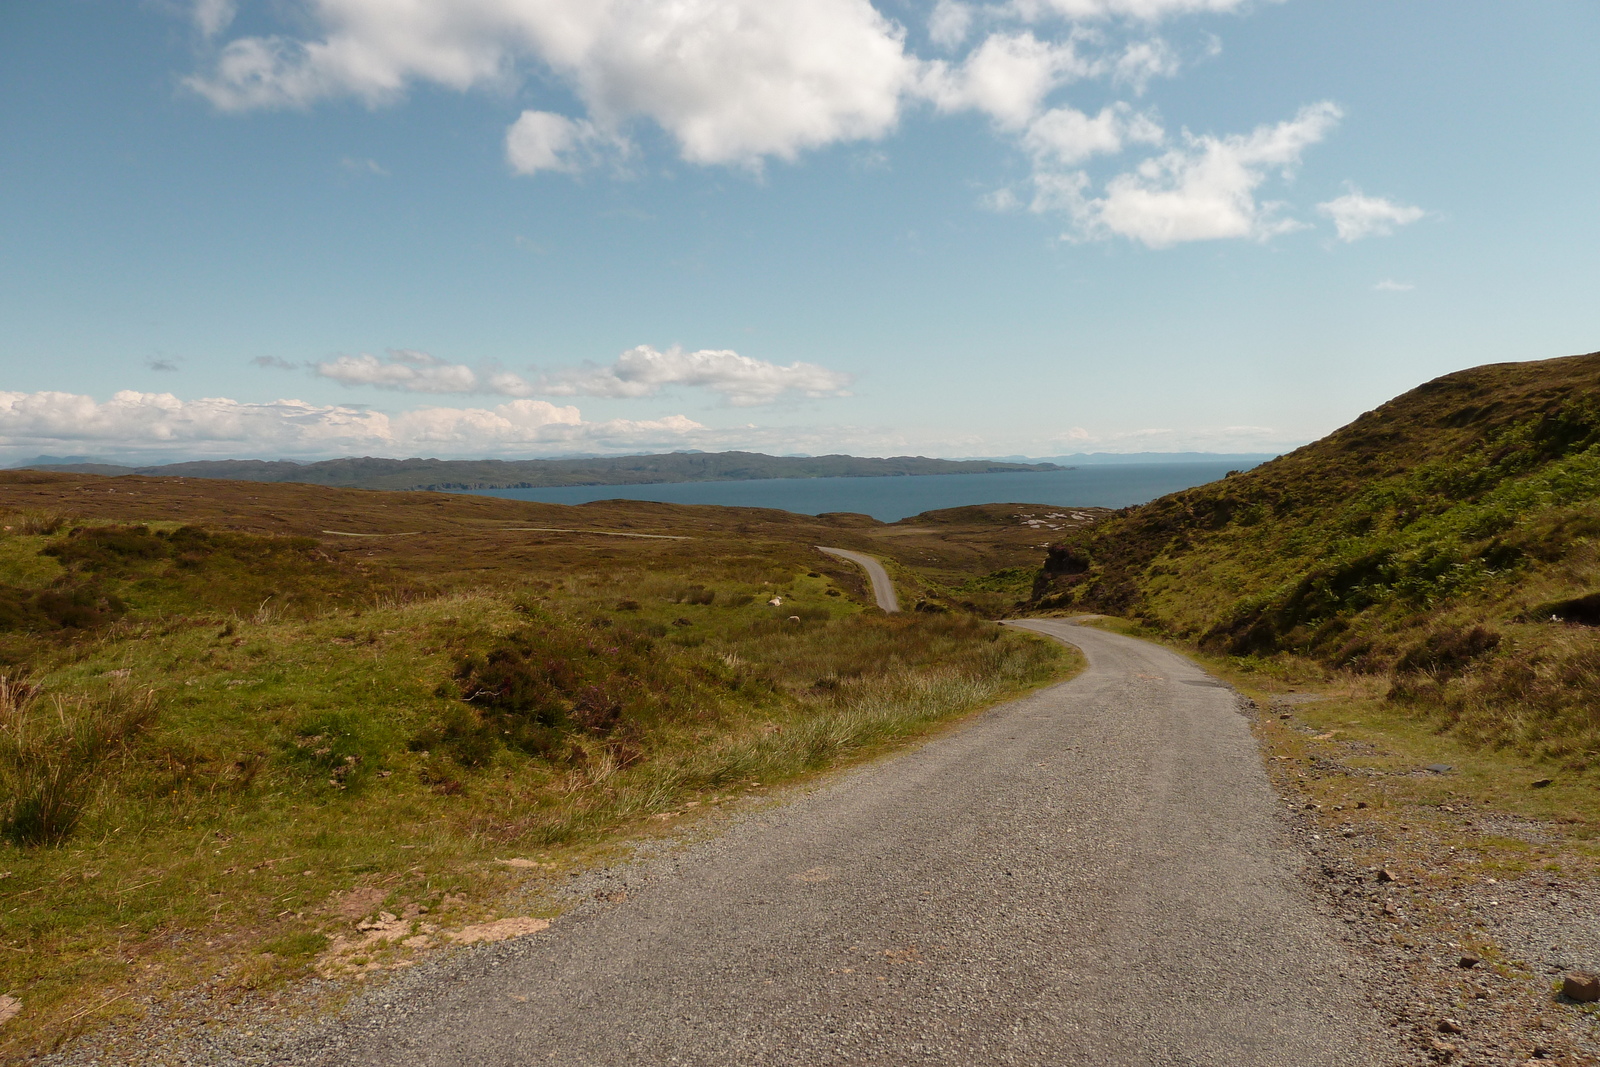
pixel 890 499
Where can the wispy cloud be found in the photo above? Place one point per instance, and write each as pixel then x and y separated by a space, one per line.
pixel 1388 285
pixel 1356 215
pixel 352 165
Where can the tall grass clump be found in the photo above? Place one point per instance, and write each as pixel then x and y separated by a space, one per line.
pixel 51 750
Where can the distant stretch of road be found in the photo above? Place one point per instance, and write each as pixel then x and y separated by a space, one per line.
pixel 882 587
pixel 1093 874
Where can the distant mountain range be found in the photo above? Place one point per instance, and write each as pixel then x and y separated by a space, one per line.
pixel 370 473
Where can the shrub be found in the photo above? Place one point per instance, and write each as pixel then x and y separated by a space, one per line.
pixel 51 756
pixel 1445 653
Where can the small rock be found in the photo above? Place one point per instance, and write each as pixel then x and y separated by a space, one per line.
pixel 1438 768
pixel 9 1007
pixel 1466 963
pixel 1581 985
pixel 1541 783
pixel 1450 1026
pixel 1386 875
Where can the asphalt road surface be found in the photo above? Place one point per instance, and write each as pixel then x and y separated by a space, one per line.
pixel 1092 875
pixel 882 588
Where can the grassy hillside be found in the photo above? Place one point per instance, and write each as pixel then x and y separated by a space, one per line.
pixel 1445 540
pixel 237 718
pixel 369 473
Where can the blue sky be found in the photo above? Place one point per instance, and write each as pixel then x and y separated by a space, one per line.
pixel 531 227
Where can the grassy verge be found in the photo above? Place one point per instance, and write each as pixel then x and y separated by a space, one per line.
pixel 318 742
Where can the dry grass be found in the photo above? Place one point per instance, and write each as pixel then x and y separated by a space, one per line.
pixel 54 752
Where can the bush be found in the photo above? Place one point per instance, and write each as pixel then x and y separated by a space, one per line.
pixel 50 757
pixel 1446 653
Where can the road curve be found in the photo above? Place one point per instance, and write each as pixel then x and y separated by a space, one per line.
pixel 882 587
pixel 1093 874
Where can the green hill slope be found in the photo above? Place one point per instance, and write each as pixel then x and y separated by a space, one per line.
pixel 1446 539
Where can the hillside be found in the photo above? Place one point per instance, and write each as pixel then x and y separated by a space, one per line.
pixel 1445 540
pixel 370 473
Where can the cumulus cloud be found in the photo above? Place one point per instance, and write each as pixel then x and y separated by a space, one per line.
pixel 1007 77
pixel 742 381
pixel 1065 136
pixel 161 422
pixel 638 372
pixel 1356 216
pixel 732 81
pixel 1203 190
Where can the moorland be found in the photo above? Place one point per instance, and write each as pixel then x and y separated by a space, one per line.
pixel 236 717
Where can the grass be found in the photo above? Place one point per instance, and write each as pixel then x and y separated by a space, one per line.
pixel 1443 543
pixel 372 722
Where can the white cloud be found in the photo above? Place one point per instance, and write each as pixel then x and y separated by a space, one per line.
pixel 732 80
pixel 1389 285
pixel 742 381
pixel 1064 136
pixel 1205 190
pixel 1143 61
pixel 418 372
pixel 1145 10
pixel 211 17
pixel 353 165
pixel 162 423
pixel 638 372
pixel 543 140
pixel 1356 216
pixel 1007 77
pixel 949 23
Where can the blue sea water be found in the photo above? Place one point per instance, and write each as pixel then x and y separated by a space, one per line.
pixel 889 499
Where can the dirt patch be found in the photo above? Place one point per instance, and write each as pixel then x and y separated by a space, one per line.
pixel 358 903
pixel 500 930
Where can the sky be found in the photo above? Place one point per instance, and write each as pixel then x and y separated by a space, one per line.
pixel 521 228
